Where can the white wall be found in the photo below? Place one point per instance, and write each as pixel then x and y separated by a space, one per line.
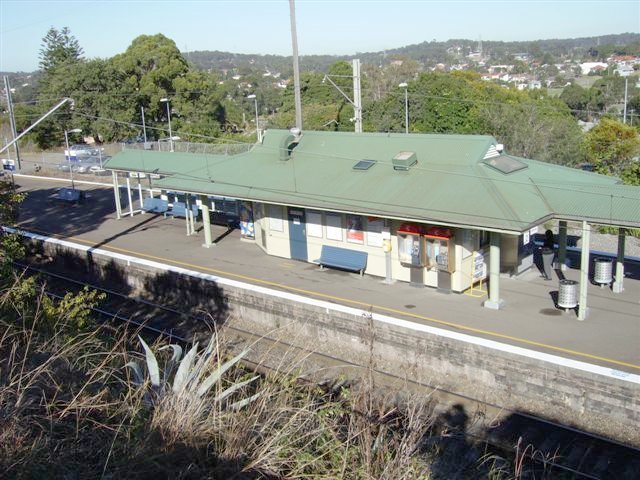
pixel 332 228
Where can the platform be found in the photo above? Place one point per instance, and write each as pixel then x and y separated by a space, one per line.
pixel 609 337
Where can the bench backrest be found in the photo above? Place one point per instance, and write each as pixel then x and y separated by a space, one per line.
pixel 158 205
pixel 179 209
pixel 338 256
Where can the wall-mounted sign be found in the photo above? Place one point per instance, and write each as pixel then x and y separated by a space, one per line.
pixel 355 234
pixel 247 228
pixel 8 164
pixel 479 266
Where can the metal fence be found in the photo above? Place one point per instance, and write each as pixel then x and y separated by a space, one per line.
pixel 189 147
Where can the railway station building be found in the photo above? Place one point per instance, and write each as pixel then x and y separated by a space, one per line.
pixel 442 211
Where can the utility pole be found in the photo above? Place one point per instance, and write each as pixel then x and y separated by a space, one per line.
pixel 624 118
pixel 296 67
pixel 357 99
pixel 144 127
pixel 12 119
pixel 34 124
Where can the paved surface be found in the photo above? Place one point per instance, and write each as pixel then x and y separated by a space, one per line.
pixel 610 336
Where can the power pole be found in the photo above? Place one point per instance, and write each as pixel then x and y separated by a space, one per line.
pixel 35 124
pixel 12 119
pixel 296 67
pixel 624 118
pixel 357 99
pixel 144 127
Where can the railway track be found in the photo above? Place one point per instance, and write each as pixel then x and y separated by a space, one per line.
pixel 563 451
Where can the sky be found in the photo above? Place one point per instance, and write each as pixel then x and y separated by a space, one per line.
pixel 336 27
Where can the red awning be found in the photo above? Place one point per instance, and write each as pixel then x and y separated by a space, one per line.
pixel 439 232
pixel 411 228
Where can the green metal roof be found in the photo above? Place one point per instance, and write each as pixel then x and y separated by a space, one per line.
pixel 450 183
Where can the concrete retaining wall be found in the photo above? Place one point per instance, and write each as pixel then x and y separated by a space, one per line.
pixel 590 397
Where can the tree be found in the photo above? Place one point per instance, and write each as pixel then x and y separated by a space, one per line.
pixel 197 106
pixel 631 174
pixel 59 48
pixel 541 128
pixel 611 146
pixel 149 67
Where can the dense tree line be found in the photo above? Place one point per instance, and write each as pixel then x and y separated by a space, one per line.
pixel 110 96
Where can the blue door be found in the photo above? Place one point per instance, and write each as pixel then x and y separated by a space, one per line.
pixel 297 234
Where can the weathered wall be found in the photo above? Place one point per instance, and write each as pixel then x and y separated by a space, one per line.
pixel 518 379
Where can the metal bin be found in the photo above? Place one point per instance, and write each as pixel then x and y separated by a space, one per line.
pixel 603 271
pixel 568 294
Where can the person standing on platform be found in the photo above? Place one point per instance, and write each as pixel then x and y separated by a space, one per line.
pixel 548 254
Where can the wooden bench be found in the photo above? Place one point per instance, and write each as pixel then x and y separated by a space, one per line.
pixel 155 205
pixel 343 258
pixel 179 209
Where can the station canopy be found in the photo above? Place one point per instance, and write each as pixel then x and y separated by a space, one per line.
pixel 454 180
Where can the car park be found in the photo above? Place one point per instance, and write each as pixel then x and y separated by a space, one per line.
pixel 81 150
pixel 66 166
pixel 130 140
pixel 98 170
pixel 84 165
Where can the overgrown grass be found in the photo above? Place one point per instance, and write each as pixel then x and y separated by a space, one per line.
pixel 70 408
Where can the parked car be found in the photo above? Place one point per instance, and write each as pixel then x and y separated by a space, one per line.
pixel 65 166
pixel 130 140
pixel 85 165
pixel 98 170
pixel 81 150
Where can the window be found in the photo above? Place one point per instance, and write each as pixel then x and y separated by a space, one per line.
pixel 275 218
pixel 374 231
pixel 314 224
pixel 364 164
pixel 334 226
pixel 505 164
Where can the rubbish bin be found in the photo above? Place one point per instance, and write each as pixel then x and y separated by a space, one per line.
pixel 547 261
pixel 568 294
pixel 603 271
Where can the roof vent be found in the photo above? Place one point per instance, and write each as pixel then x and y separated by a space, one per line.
pixel 494 151
pixel 404 160
pixel 287 144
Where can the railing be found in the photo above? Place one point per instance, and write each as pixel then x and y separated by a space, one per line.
pixel 189 147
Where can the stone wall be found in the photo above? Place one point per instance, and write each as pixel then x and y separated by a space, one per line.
pixel 588 397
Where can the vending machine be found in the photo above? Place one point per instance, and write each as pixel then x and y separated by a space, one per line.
pixel 411 251
pixel 440 254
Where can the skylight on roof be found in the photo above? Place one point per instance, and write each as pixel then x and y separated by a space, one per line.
pixel 364 164
pixel 505 164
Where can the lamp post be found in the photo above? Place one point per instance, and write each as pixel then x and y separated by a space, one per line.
pixel 255 101
pixel 166 100
pixel 66 141
pixel 406 106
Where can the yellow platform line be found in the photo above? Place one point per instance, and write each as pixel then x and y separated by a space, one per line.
pixel 355 302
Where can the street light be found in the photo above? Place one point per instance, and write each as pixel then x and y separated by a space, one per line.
pixel 166 100
pixel 66 141
pixel 406 106
pixel 255 101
